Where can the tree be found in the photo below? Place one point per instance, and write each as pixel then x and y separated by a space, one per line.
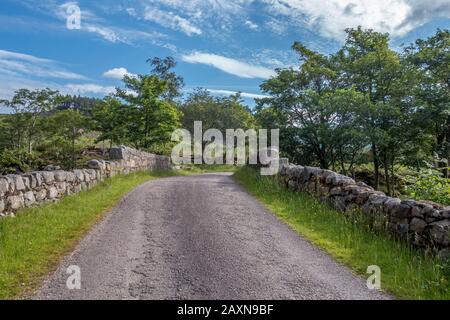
pixel 432 57
pixel 370 66
pixel 151 113
pixel 214 112
pixel 298 95
pixel 162 69
pixel 109 117
pixel 66 128
pixel 28 106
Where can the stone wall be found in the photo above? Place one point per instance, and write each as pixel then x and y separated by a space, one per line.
pixel 19 191
pixel 423 223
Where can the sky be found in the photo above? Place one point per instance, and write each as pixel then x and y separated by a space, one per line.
pixel 224 46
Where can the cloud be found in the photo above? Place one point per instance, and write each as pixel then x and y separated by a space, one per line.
pixel 171 20
pixel 117 73
pixel 88 88
pixel 251 25
pixel 424 11
pixel 22 56
pixel 15 63
pixel 92 23
pixel 228 65
pixel 243 94
pixel 8 85
pixel 212 18
pixel 332 17
pixel 25 71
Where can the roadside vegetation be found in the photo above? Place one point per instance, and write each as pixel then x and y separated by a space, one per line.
pixel 378 114
pixel 367 108
pixel 33 242
pixel 405 272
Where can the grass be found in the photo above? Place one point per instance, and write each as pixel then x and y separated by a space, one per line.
pixel 205 168
pixel 405 272
pixel 33 243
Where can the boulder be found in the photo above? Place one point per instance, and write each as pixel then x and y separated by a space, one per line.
pixel 41 195
pixel 96 164
pixel 15 202
pixel 52 168
pixel 2 205
pixel 61 187
pixel 29 198
pixel 31 181
pixel 52 193
pixel 444 254
pixel 79 175
pixel 4 186
pixel 48 176
pixel 38 177
pixel 17 180
pixel 60 175
pixel 417 225
pixel 70 176
pixel 440 232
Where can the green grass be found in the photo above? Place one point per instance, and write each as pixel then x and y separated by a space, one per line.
pixel 33 243
pixel 206 168
pixel 405 272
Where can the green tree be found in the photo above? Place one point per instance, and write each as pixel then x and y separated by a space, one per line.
pixel 299 96
pixel 215 112
pixel 151 113
pixel 65 128
pixel 432 58
pixel 27 107
pixel 109 117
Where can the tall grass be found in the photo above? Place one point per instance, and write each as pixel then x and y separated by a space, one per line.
pixel 405 272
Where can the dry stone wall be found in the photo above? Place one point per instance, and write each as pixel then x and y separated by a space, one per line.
pixel 19 191
pixel 423 223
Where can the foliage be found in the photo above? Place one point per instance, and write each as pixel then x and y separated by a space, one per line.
pixel 406 272
pixel 48 128
pixel 364 102
pixel 218 113
pixel 429 186
pixel 151 115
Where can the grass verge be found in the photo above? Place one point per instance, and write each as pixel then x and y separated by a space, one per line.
pixel 208 168
pixel 405 272
pixel 33 243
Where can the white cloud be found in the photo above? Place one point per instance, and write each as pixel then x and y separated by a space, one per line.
pixel 24 71
pixel 171 20
pixel 8 85
pixel 25 64
pixel 243 94
pixel 118 73
pixel 228 65
pixel 251 25
pixel 91 23
pixel 22 56
pixel 88 88
pixel 332 17
pixel 210 18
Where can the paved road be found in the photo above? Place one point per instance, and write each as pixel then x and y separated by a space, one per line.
pixel 200 237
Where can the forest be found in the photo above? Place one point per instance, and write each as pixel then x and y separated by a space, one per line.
pixel 376 113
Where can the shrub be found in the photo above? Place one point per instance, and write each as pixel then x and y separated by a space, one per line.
pixel 430 186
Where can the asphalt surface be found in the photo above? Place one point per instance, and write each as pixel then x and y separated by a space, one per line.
pixel 200 237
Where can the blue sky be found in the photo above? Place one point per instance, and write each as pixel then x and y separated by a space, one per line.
pixel 222 45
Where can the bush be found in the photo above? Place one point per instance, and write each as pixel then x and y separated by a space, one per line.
pixel 430 186
pixel 14 161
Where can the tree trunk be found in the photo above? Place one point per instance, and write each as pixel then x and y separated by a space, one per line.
pixel 387 175
pixel 376 166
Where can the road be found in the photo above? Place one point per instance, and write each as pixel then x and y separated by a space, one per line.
pixel 200 237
